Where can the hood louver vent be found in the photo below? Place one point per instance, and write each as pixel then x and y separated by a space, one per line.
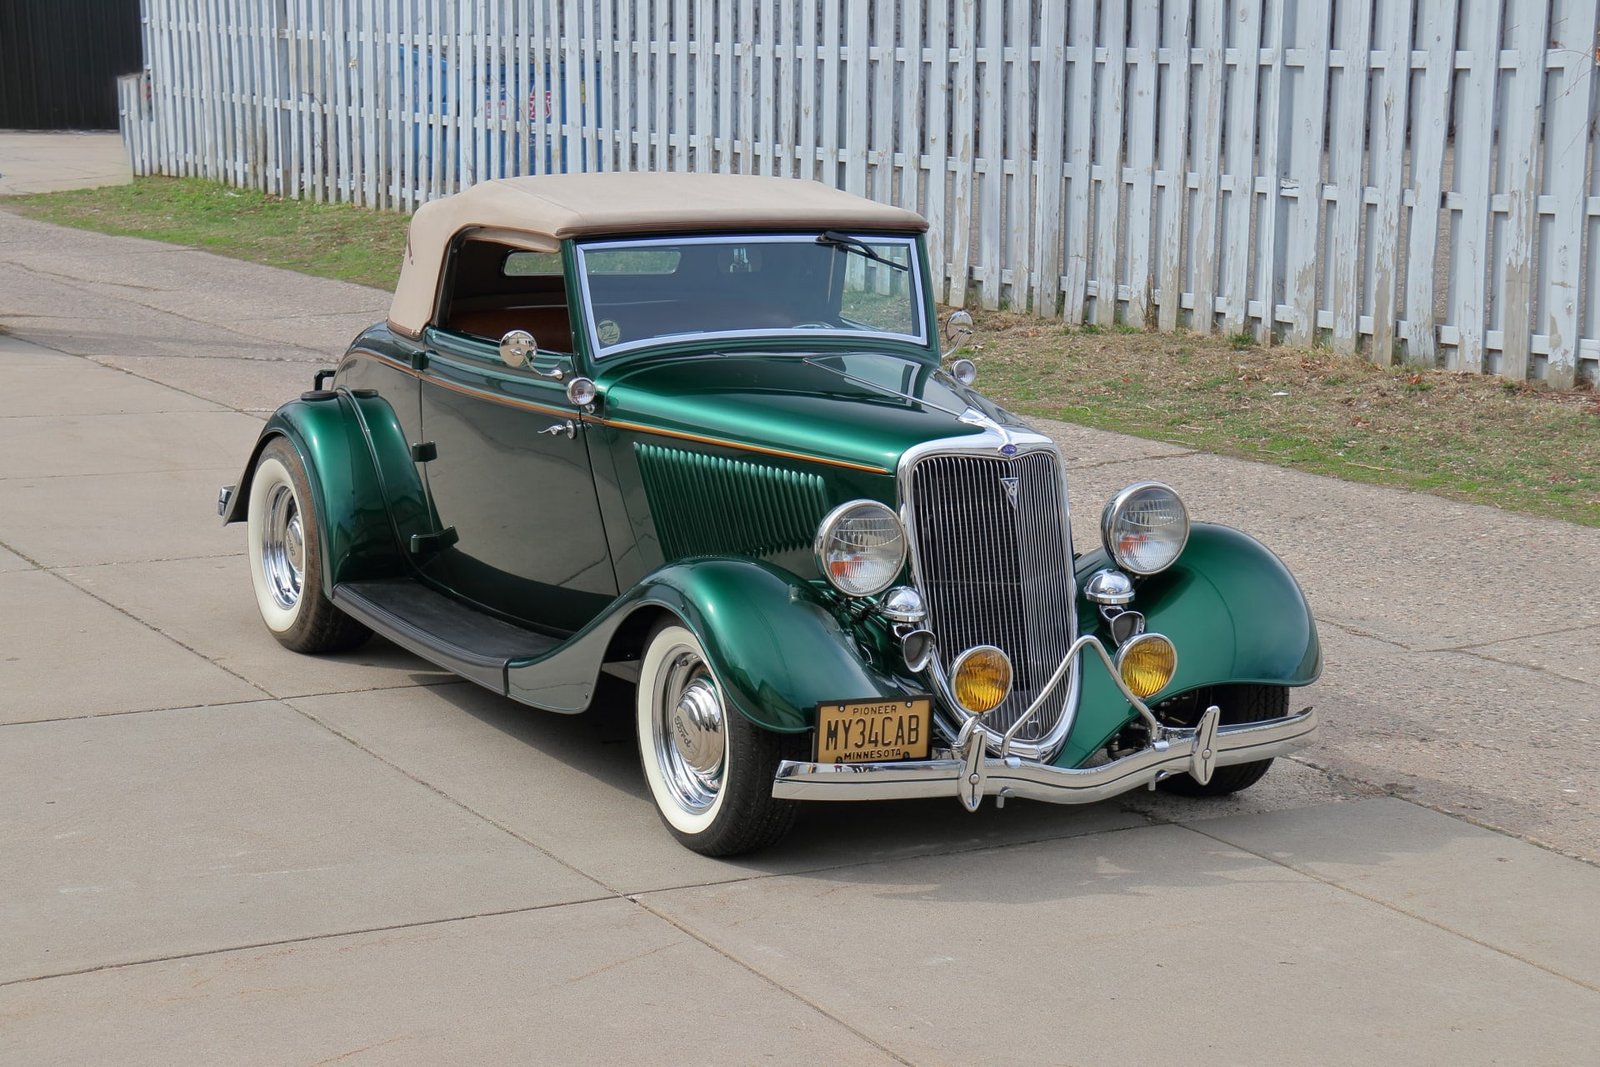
pixel 707 505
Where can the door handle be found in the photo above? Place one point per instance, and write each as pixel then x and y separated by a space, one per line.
pixel 568 428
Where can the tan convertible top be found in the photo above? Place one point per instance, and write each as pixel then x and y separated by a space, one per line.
pixel 538 213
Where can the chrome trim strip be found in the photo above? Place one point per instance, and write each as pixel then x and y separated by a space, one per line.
pixel 950 717
pixel 639 427
pixel 1180 751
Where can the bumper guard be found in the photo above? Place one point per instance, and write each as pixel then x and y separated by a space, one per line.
pixel 971 773
pixel 977 774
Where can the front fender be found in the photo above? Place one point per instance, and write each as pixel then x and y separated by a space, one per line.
pixel 354 528
pixel 774 645
pixel 1234 613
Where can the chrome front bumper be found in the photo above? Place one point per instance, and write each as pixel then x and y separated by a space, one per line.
pixel 971 774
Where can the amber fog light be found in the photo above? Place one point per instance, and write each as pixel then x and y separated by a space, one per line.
pixel 982 678
pixel 1147 664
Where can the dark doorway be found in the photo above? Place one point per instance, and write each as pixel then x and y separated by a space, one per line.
pixel 59 61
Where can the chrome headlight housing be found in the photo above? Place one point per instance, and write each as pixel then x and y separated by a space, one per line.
pixel 861 547
pixel 1145 527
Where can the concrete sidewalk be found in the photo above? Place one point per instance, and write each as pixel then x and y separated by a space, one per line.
pixel 217 851
pixel 49 162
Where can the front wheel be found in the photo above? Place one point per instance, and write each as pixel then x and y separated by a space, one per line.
pixel 286 558
pixel 709 768
pixel 1239 703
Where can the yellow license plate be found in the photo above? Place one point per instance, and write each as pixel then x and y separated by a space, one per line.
pixel 872 731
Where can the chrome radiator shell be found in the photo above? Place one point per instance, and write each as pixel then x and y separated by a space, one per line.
pixel 996 572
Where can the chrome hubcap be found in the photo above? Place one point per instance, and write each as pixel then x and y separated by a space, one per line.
pixel 690 740
pixel 283 547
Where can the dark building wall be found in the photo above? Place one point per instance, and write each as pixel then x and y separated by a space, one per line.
pixel 59 61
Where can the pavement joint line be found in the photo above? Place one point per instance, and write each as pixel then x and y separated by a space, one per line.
pixel 463 805
pixel 268 699
pixel 86 287
pixel 22 555
pixel 771 981
pixel 47 272
pixel 757 876
pixel 119 474
pixel 1530 667
pixel 118 414
pixel 1376 790
pixel 259 413
pixel 157 630
pixel 315 356
pixel 931 853
pixel 444 680
pixel 138 562
pixel 307 939
pixel 1357 631
pixel 1523 637
pixel 140 711
pixel 1397 909
pixel 318 358
pixel 1468 650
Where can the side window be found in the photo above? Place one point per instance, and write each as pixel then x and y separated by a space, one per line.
pixel 531 265
pixel 496 288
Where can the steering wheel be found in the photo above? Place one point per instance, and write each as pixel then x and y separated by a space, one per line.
pixel 814 326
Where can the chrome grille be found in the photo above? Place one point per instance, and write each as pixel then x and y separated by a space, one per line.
pixel 997 572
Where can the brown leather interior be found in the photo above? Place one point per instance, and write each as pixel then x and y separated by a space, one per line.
pixel 484 301
pixel 551 327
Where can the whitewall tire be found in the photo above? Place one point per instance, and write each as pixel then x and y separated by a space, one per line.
pixel 709 768
pixel 286 564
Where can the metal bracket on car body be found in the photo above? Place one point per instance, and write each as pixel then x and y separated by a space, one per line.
pixel 1087 642
pixel 971 743
pixel 1203 760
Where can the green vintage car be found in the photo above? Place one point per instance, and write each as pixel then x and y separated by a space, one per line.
pixel 696 432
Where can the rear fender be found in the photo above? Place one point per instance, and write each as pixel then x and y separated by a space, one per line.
pixel 355 530
pixel 770 637
pixel 1234 613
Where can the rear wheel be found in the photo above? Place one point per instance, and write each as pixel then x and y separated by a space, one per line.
pixel 708 767
pixel 286 558
pixel 1239 704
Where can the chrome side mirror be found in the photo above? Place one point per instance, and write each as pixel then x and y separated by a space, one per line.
pixel 517 349
pixel 957 331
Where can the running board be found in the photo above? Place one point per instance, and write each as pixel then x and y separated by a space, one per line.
pixel 440 629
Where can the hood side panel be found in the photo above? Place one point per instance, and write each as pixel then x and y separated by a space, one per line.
pixel 705 505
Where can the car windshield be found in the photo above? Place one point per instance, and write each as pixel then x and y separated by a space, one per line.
pixel 647 292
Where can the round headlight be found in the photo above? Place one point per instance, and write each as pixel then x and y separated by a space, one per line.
pixel 1144 527
pixel 861 547
pixel 1147 664
pixel 981 678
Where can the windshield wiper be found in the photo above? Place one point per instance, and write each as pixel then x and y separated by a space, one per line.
pixel 846 243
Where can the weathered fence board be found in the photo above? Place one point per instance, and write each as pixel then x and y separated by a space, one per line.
pixel 1411 179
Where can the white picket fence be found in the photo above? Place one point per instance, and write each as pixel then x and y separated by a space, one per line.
pixel 1414 179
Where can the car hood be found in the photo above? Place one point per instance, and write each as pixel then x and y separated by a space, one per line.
pixel 791 402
